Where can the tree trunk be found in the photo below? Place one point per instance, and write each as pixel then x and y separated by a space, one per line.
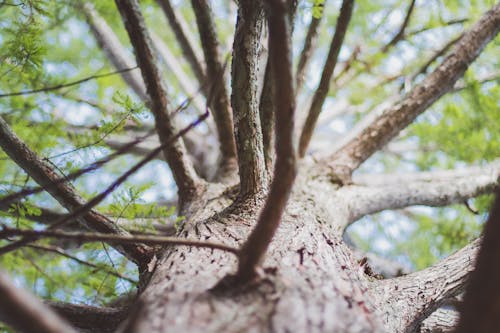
pixel 311 282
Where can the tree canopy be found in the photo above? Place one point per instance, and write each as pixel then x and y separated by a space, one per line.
pixel 71 90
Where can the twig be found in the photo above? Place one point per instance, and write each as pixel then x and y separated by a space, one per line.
pixel 65 85
pixel 61 252
pixel 117 239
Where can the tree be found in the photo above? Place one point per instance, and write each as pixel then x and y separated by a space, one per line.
pixel 258 236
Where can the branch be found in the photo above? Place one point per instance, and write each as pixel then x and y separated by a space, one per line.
pixel 114 239
pixel 440 321
pixel 184 174
pixel 114 50
pixel 409 299
pixel 401 33
pixel 307 51
pixel 25 312
pixel 440 188
pixel 385 127
pixel 244 98
pixel 175 67
pixel 69 84
pixel 215 72
pixel 61 252
pixel 324 84
pixel 63 192
pixel 266 114
pixel 254 249
pixel 481 306
pixel 90 318
pixel 180 30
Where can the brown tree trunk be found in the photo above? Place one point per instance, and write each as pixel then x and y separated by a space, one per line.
pixel 311 281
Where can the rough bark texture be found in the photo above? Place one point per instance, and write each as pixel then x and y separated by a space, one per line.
pixel 309 275
pixel 244 99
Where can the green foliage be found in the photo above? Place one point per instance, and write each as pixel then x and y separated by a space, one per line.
pixel 317 9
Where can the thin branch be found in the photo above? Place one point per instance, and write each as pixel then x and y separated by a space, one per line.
pixel 244 99
pixel 66 85
pixel 324 84
pixel 25 312
pixel 481 306
pixel 413 297
pixel 184 174
pixel 423 69
pixel 343 162
pixel 307 52
pixel 435 189
pixel 109 42
pixel 254 249
pixel 61 252
pixel 180 30
pixel 63 192
pixel 401 32
pixel 89 318
pixel 215 73
pixel 114 239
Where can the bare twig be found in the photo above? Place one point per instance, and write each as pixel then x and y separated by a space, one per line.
pixel 324 84
pixel 26 313
pixel 114 239
pixel 401 32
pixel 255 247
pixel 386 126
pixel 61 252
pixel 184 174
pixel 66 85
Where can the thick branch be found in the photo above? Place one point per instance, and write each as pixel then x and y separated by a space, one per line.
pixel 25 312
pixel 266 112
pixel 114 50
pixel 324 84
pixel 435 189
pixel 440 321
pixel 481 306
pixel 255 247
pixel 307 51
pixel 408 300
pixel 244 99
pixel 215 72
pixel 63 192
pixel 180 29
pixel 90 317
pixel 385 127
pixel 184 174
